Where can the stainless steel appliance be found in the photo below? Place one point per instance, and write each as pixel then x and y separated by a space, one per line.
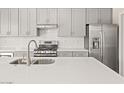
pixel 103 43
pixel 46 49
pixel 44 27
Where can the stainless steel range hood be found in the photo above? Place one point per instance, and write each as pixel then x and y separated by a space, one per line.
pixel 43 28
pixel 47 26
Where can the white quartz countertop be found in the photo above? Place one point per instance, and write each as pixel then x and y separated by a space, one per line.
pixel 59 49
pixel 67 70
pixel 72 49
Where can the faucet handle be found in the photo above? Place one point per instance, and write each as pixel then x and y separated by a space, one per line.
pixel 39 41
pixel 23 56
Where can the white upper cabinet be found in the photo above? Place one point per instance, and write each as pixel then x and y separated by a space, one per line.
pixel 13 21
pixel 23 22
pixel 32 21
pixel 64 22
pixel 99 15
pixel 9 22
pixel 93 15
pixel 78 22
pixel 27 22
pixel 106 15
pixel 4 18
pixel 71 22
pixel 46 16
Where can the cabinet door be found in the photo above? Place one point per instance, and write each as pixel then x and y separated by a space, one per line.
pixel 4 21
pixel 32 21
pixel 64 21
pixel 80 53
pixel 23 22
pixel 64 53
pixel 46 16
pixel 78 22
pixel 106 15
pixel 42 15
pixel 52 16
pixel 9 22
pixel 93 16
pixel 27 22
pixel 14 22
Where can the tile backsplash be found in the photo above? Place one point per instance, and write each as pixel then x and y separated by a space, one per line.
pixel 21 43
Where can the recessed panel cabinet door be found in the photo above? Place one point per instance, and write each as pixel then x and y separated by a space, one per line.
pixel 64 22
pixel 23 22
pixel 14 22
pixel 27 22
pixel 106 15
pixel 4 19
pixel 99 15
pixel 64 53
pixel 32 21
pixel 9 22
pixel 52 15
pixel 46 16
pixel 93 16
pixel 41 15
pixel 78 22
pixel 80 53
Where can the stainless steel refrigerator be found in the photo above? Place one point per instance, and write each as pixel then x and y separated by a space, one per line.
pixel 103 43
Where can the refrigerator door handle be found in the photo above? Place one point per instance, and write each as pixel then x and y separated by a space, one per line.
pixel 90 49
pixel 101 45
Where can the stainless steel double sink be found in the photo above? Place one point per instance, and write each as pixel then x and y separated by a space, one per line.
pixel 34 62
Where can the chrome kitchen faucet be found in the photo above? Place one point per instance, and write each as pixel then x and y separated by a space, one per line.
pixel 29 58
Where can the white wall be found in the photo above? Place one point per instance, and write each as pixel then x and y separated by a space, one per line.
pixel 20 43
pixel 121 45
pixel 116 13
pixel 118 18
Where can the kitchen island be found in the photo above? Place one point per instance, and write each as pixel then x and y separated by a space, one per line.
pixel 65 70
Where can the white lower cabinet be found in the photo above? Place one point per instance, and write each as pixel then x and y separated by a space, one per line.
pixel 80 54
pixel 64 53
pixel 72 53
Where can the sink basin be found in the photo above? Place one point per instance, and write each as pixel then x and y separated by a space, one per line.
pixel 36 61
pixel 44 61
pixel 19 61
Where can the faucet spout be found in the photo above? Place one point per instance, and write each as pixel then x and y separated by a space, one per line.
pixel 29 57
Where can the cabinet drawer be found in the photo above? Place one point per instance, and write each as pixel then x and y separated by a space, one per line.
pixel 80 54
pixel 64 53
